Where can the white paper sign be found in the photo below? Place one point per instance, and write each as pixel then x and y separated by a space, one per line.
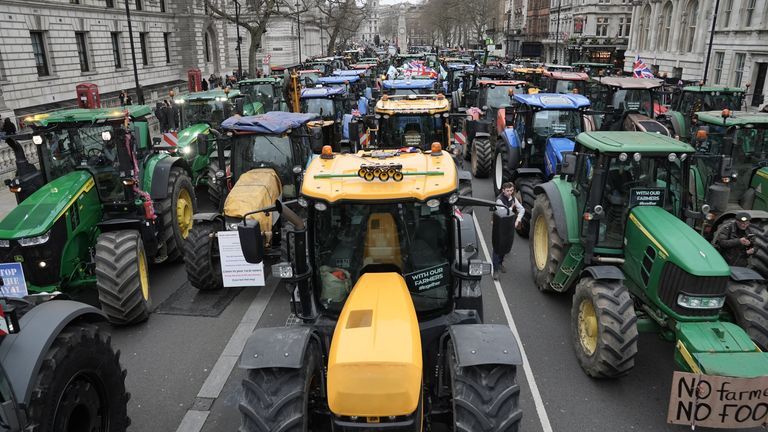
pixel 235 270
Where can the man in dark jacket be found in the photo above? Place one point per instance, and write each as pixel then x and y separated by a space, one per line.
pixel 503 239
pixel 734 240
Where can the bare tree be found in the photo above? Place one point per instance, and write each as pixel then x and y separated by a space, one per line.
pixel 388 27
pixel 344 18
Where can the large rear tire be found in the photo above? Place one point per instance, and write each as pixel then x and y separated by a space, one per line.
pixel 501 172
pixel 284 399
pixel 176 213
pixel 81 385
pixel 201 257
pixel 485 397
pixel 759 261
pixel 547 247
pixel 122 278
pixel 526 186
pixel 481 157
pixel 604 328
pixel 748 302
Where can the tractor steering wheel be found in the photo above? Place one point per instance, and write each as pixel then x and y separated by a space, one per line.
pixel 94 151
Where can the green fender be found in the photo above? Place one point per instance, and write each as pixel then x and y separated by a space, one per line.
pixel 157 169
pixel 680 125
pixel 564 207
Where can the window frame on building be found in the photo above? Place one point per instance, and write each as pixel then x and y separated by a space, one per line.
pixel 717 66
pixel 727 12
pixel 625 23
pixel 117 52
pixel 207 46
pixel 689 30
pixel 144 46
pixel 645 28
pixel 110 4
pixel 738 69
pixel 167 46
pixel 84 57
pixel 139 5
pixel 162 6
pixel 666 26
pixel 43 54
pixel 749 12
pixel 602 26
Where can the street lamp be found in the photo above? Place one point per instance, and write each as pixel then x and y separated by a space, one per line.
pixel 237 26
pixel 298 27
pixel 709 48
pixel 139 92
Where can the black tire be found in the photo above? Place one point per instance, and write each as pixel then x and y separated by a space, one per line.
pixel 283 399
pixel 615 344
pixel 123 292
pixel 172 232
pixel 485 397
pixel 526 185
pixel 80 385
pixel 213 186
pixel 501 172
pixel 759 261
pixel 481 157
pixel 466 152
pixel 748 303
pixel 544 272
pixel 201 256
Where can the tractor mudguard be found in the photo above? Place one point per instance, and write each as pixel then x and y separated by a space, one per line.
pixel 529 172
pixel 482 135
pixel 604 272
pixel 276 347
pixel 509 136
pixel 162 172
pixel 119 224
pixel 22 353
pixel 741 274
pixel 558 209
pixel 478 344
pixel 464 175
pixel 207 217
pixel 677 119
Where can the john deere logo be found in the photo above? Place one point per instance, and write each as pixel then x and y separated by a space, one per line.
pixel 18 258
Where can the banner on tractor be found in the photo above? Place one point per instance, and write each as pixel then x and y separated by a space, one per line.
pixel 718 401
pixel 235 270
pixel 428 278
pixel 644 197
pixel 12 281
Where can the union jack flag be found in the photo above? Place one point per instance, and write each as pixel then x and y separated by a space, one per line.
pixel 641 70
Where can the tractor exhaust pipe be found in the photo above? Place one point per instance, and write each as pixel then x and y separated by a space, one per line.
pixel 23 166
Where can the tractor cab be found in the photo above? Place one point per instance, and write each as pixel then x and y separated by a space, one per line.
pixel 532 75
pixel 353 82
pixel 402 87
pixel 691 99
pixel 628 103
pixel 411 121
pixel 564 82
pixel 309 77
pixel 266 91
pixel 332 105
pixel 594 69
pixel 455 78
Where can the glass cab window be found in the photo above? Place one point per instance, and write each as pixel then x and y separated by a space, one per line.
pixel 636 100
pixel 322 106
pixel 262 93
pixel 547 123
pixel 410 131
pixel 266 151
pixel 205 111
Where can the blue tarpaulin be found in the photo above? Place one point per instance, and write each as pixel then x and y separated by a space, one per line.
pixel 409 84
pixel 339 79
pixel 352 72
pixel 553 100
pixel 321 92
pixel 273 122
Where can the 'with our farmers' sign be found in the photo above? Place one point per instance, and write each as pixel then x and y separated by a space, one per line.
pixel 428 278
pixel 718 401
pixel 646 197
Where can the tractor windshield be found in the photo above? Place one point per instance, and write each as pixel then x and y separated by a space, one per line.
pixel 498 96
pixel 708 101
pixel 568 86
pixel 263 93
pixel 91 147
pixel 205 111
pixel 323 106
pixel 265 151
pixel 412 239
pixel 637 100
pixel 557 122
pixel 411 130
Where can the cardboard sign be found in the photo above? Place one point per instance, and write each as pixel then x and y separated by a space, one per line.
pixel 718 401
pixel 428 278
pixel 646 197
pixel 13 282
pixel 235 270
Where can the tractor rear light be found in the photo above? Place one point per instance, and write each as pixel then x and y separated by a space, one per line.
pixel 129 182
pixel 15 189
pixel 282 270
pixel 726 179
pixel 695 302
pixel 37 139
pixel 588 216
pixel 710 216
pixel 479 268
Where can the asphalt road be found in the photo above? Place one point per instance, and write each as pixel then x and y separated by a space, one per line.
pixel 175 361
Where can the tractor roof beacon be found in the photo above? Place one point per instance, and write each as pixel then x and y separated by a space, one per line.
pixel 608 228
pixel 104 203
pixel 386 294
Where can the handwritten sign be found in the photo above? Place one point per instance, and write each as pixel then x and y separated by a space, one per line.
pixel 13 282
pixel 646 197
pixel 718 401
pixel 428 278
pixel 235 270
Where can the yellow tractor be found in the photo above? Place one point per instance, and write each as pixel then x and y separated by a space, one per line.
pixel 388 332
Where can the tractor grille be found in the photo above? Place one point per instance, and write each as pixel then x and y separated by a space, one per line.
pixel 675 280
pixel 50 252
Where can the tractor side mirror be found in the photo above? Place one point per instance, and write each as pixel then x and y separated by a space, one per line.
pixel 156 141
pixel 202 144
pixel 726 167
pixel 251 241
pixel 239 106
pixel 568 167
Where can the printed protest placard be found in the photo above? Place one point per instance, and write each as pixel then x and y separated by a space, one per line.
pixel 235 270
pixel 13 282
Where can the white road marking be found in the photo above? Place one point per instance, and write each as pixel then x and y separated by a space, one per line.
pixel 194 420
pixel 537 400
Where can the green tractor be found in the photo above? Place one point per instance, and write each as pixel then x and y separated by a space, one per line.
pixel 103 204
pixel 266 91
pixel 680 119
pixel 609 228
pixel 200 112
pixel 268 154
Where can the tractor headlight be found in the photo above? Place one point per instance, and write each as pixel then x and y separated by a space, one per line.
pixel 186 150
pixel 636 157
pixel 694 302
pixel 623 157
pixel 106 136
pixel 282 270
pixel 34 241
pixel 37 139
pixel 232 226
pixel 303 202
pixel 479 268
pixel 320 206
pixel 5 243
pixel 453 198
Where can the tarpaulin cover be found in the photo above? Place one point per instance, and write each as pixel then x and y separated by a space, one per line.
pixel 409 84
pixel 255 189
pixel 273 122
pixel 553 100
pixel 321 92
pixel 354 72
pixel 344 79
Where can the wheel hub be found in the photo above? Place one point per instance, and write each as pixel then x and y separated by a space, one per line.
pixel 540 243
pixel 184 213
pixel 81 407
pixel 499 177
pixel 587 327
pixel 143 275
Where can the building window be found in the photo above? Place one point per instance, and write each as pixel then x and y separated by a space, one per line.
pixel 207 46
pixel 110 3
pixel 718 66
pixel 645 28
pixel 82 50
pixel 666 26
pixel 116 54
pixel 689 29
pixel 139 5
pixel 624 24
pixel 727 10
pixel 738 69
pixel 749 11
pixel 74 1
pixel 162 5
pixel 38 49
pixel 167 45
pixel 602 26
pixel 144 48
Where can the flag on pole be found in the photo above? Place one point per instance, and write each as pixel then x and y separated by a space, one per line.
pixel 641 70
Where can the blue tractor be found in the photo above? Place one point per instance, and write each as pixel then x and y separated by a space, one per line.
pixel 539 129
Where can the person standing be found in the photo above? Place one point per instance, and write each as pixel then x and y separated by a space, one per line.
pixel 122 97
pixel 8 127
pixel 128 99
pixel 204 85
pixel 504 238
pixel 734 240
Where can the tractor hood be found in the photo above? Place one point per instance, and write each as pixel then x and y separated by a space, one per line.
pixel 36 215
pixel 560 145
pixel 188 136
pixel 676 241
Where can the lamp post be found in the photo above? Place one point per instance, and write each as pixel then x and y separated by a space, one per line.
pixel 237 26
pixel 139 92
pixel 711 36
pixel 298 27
pixel 557 31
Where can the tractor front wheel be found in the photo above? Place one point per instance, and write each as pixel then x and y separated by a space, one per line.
pixel 748 303
pixel 286 399
pixel 546 245
pixel 526 186
pixel 604 328
pixel 176 212
pixel 485 397
pixel 122 278
pixel 201 256
pixel 481 157
pixel 81 385
pixel 215 185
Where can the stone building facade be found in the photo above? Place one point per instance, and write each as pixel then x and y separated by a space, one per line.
pixel 672 36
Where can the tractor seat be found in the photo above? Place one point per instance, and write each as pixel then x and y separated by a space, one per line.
pixel 382 241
